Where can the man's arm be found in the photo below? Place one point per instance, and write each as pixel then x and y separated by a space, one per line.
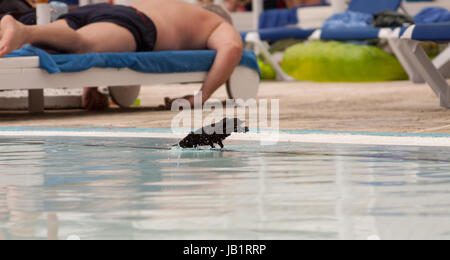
pixel 228 44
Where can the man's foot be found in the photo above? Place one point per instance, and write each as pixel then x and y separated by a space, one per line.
pixel 93 100
pixel 12 35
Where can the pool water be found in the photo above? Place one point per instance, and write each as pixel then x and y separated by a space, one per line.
pixel 138 188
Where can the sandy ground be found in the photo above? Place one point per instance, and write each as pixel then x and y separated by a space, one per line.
pixel 378 107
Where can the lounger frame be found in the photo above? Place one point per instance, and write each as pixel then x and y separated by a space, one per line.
pixel 421 69
pixel 409 52
pixel 24 73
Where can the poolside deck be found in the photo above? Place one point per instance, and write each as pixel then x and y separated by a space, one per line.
pixel 376 107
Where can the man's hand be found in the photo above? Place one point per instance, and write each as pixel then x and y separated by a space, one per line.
pixel 93 100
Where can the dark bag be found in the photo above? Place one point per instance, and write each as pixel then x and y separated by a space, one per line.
pixel 391 19
pixel 14 6
pixel 19 9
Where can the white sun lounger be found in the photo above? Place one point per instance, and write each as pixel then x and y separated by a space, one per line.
pixel 25 73
pixel 404 42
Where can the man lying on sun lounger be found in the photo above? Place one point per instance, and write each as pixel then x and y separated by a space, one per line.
pixel 148 25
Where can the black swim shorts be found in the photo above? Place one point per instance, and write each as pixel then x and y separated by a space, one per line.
pixel 140 25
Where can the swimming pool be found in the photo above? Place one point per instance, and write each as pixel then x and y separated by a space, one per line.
pixel 140 188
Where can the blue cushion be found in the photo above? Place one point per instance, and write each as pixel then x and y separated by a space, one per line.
pixel 356 33
pixel 426 32
pixel 278 18
pixel 148 62
pixel 373 6
pixel 276 34
pixel 432 32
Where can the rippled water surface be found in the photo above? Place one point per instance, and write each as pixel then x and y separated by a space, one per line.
pixel 94 188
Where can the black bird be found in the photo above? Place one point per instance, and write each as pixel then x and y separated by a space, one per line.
pixel 214 134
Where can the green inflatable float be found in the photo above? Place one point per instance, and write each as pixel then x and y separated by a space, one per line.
pixel 267 72
pixel 341 62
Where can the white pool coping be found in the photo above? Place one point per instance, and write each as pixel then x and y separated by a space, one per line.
pixel 268 138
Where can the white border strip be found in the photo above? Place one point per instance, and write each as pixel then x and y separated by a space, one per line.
pixel 409 32
pixel 396 33
pixel 385 33
pixel 316 35
pixel 355 139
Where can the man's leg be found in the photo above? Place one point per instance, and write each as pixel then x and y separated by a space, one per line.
pixel 57 35
pixel 107 37
pixel 96 37
pixel 103 37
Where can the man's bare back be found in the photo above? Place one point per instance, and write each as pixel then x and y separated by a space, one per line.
pixel 181 26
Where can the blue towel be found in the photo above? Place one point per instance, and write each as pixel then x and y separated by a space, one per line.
pixel 432 15
pixel 148 62
pixel 348 19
